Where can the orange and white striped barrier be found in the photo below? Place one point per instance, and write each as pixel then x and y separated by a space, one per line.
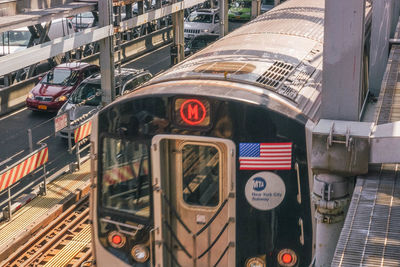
pixel 82 131
pixel 22 169
pixel 126 172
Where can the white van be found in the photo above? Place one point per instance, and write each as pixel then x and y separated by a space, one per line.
pixel 18 39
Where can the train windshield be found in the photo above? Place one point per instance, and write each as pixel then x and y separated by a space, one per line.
pixel 125 181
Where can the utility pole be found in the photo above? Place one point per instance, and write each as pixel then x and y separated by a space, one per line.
pixel 178 47
pixel 223 17
pixel 255 8
pixel 106 54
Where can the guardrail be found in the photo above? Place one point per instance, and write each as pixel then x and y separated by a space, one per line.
pixel 13 97
pixel 8 177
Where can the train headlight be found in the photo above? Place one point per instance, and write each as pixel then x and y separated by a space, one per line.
pixel 116 239
pixel 140 253
pixel 255 262
pixel 287 258
pixel 31 96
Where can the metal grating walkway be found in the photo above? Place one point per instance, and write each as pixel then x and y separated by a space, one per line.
pixel 29 217
pixel 371 232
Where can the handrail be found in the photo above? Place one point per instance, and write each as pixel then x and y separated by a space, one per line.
pixel 212 218
pixel 176 238
pixel 176 213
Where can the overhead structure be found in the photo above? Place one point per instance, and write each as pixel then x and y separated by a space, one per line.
pixel 27 57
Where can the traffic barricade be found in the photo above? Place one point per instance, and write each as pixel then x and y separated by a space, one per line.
pixel 30 163
pixel 81 135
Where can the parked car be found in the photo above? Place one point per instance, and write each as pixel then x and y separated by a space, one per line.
pixel 86 99
pixel 267 5
pixel 57 85
pixel 83 20
pixel 198 42
pixel 18 39
pixel 240 10
pixel 202 21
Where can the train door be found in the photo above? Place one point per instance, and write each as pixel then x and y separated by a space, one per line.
pixel 194 201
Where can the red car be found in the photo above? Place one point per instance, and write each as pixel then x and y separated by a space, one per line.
pixel 56 85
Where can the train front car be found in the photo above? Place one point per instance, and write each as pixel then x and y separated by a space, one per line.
pixel 206 165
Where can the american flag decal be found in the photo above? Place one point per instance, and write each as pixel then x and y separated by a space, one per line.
pixel 265 156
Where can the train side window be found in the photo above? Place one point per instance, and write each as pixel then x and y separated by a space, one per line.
pixel 200 175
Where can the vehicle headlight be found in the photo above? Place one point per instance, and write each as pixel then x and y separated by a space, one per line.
pixel 206 30
pixel 255 262
pixel 31 96
pixel 140 253
pixel 62 98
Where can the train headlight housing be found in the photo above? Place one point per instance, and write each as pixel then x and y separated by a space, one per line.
pixel 31 96
pixel 287 258
pixel 255 262
pixel 140 253
pixel 116 239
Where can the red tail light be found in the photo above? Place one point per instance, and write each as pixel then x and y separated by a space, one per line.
pixel 116 239
pixel 287 258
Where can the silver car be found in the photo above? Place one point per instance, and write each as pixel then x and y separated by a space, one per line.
pixel 85 101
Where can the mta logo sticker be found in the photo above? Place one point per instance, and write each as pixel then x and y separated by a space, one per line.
pixel 259 184
pixel 261 196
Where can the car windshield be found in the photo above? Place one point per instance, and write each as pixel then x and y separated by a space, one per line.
pixel 60 76
pixel 242 4
pixel 88 92
pixel 202 18
pixel 15 38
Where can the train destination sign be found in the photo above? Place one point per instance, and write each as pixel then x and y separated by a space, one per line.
pixel 192 112
pixel 265 190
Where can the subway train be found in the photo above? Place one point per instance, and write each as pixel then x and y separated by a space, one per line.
pixel 206 164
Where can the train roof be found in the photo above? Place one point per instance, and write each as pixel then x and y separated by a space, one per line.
pixel 279 51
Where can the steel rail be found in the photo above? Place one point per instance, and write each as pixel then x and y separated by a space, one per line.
pixel 52 235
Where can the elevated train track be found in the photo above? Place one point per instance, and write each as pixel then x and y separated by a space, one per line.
pixel 64 242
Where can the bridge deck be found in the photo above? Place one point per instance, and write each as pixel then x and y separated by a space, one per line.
pixel 40 211
pixel 39 16
pixel 371 233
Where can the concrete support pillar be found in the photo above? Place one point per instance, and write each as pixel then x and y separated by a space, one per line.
pixel 343 57
pixel 255 8
pixel 106 54
pixel 331 198
pixel 223 17
pixel 383 23
pixel 178 47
